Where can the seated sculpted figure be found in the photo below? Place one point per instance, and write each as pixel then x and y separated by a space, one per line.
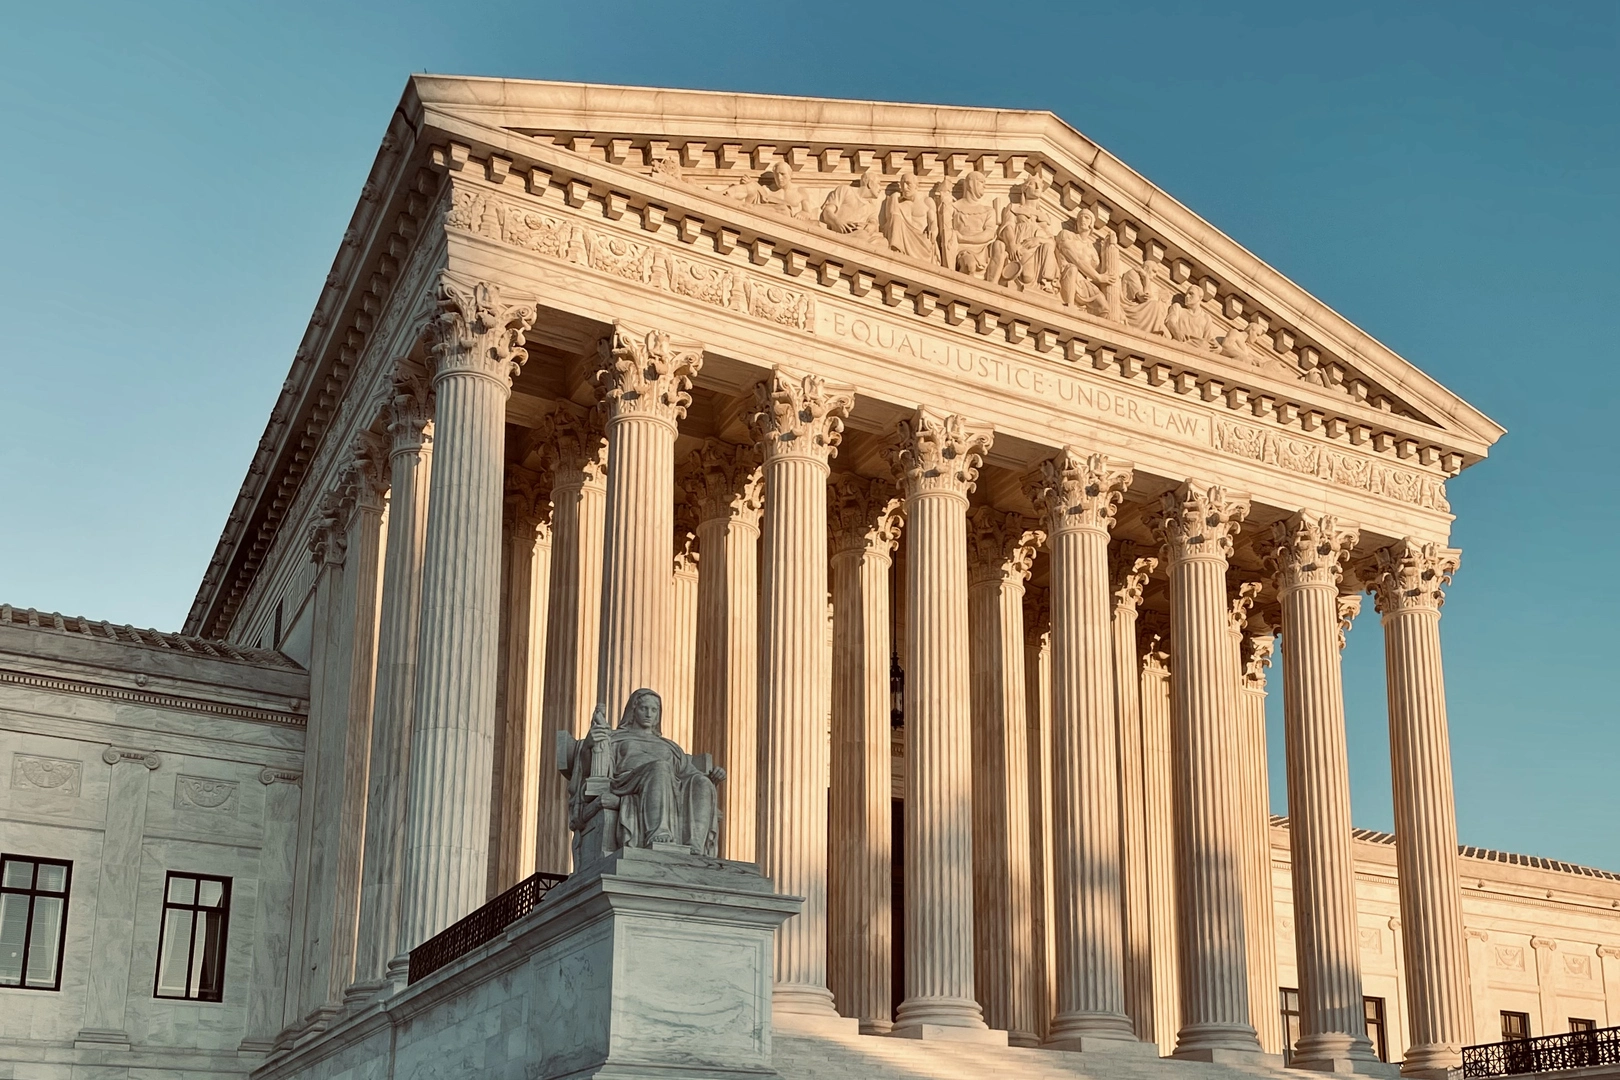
pixel 853 211
pixel 631 787
pixel 969 225
pixel 1188 321
pixel 1022 254
pixel 909 221
pixel 1143 302
pixel 1088 266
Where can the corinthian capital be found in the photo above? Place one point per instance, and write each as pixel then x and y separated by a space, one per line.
pixel 1128 574
pixel 1240 600
pixel 329 534
pixel 1348 607
pixel 1411 576
pixel 722 480
pixel 1000 547
pixel 364 480
pixel 479 332
pixel 799 416
pixel 1257 651
pixel 646 374
pixel 862 514
pixel 1199 521
pixel 1308 549
pixel 1037 615
pixel 574 447
pixel 526 505
pixel 935 452
pixel 410 410
pixel 1072 490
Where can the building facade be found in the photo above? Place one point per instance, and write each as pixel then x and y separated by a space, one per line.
pixel 906 451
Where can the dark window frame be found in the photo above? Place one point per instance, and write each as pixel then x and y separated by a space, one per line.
pixel 1288 1009
pixel 1524 1017
pixel 33 892
pixel 1373 1013
pixel 1579 1025
pixel 196 910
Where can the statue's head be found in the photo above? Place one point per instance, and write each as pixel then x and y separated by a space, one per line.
pixel 973 185
pixel 872 182
pixel 644 710
pixel 1084 222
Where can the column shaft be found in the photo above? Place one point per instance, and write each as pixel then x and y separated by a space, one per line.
pixel 1158 798
pixel 1260 904
pixel 1197 524
pixel 936 461
pixel 683 631
pixel 1129 574
pixel 477 348
pixel 1409 583
pixel 1038 710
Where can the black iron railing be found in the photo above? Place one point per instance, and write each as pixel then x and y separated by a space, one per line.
pixel 1575 1050
pixel 481 926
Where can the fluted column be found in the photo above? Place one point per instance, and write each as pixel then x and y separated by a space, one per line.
pixel 936 460
pixel 519 743
pixel 683 627
pixel 1158 799
pixel 577 450
pixel 643 383
pixel 1197 525
pixel 1129 572
pixel 1408 584
pixel 1001 548
pixel 1259 900
pixel 1077 496
pixel 1308 552
pixel 1038 713
pixel 863 519
pixel 797 423
pixel 380 955
pixel 478 339
pixel 723 481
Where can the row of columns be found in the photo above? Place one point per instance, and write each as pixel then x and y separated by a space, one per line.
pixel 972 798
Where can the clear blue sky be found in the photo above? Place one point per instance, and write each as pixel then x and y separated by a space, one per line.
pixel 178 176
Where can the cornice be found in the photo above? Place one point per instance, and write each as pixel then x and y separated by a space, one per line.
pixel 33 681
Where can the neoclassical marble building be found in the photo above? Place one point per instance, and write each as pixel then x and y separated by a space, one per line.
pixel 955 487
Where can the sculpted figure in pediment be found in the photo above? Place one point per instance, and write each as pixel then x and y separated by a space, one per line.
pixel 774 190
pixel 1088 266
pixel 1188 322
pixel 668 169
pixel 1143 301
pixel 968 225
pixel 910 222
pixel 853 211
pixel 1023 252
pixel 1247 343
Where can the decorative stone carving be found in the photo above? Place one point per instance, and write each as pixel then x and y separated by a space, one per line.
pixel 630 787
pixel 722 480
pixel 862 514
pixel 938 452
pixel 1257 650
pixel 1309 549
pixel 1411 576
pixel 113 755
pixel 910 221
pixel 479 331
pixel 1188 322
pixel 774 190
pixel 854 211
pixel 410 410
pixel 204 793
pixel 1128 574
pixel 1001 546
pixel 328 536
pixel 1310 458
pixel 1239 602
pixel 1088 266
pixel 1200 521
pixel 1023 255
pixel 797 415
pixel 268 776
pixel 1078 491
pixel 1348 607
pixel 59 776
pixel 646 376
pixel 526 501
pixel 574 446
pixel 968 225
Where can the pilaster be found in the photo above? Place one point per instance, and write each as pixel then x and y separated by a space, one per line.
pixel 267 986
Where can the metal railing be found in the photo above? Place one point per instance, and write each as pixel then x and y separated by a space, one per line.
pixel 483 925
pixel 1574 1050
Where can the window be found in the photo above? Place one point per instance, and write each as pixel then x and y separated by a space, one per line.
pixel 1289 1003
pixel 1374 1010
pixel 33 921
pixel 1515 1026
pixel 1577 1026
pixel 191 951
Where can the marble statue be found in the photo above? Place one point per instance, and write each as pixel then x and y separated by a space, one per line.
pixel 1022 254
pixel 909 221
pixel 1188 322
pixel 968 225
pixel 853 211
pixel 1142 302
pixel 774 190
pixel 1087 259
pixel 630 787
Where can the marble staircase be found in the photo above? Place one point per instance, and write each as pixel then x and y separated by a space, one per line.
pixel 865 1057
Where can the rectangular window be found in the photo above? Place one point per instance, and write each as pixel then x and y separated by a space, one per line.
pixel 1577 1026
pixel 1515 1026
pixel 1374 1009
pixel 1288 1002
pixel 33 921
pixel 191 950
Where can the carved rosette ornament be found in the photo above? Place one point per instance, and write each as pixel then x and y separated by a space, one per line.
pixel 797 415
pixel 722 481
pixel 1199 521
pixel 938 453
pixel 862 515
pixel 477 331
pixel 1128 574
pixel 646 375
pixel 1078 491
pixel 1411 576
pixel 1309 549
pixel 1001 546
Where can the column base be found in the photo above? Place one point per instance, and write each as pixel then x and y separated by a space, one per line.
pixel 1023 1038
pixel 1339 1052
pixel 802 999
pixel 962 1014
pixel 1347 1066
pixel 1195 1042
pixel 1102 1044
pixel 101 1039
pixel 1431 1062
pixel 871 1026
pixel 359 993
pixel 1091 1026
pixel 948 1033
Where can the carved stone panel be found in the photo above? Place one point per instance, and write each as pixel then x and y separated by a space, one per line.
pixel 205 793
pixel 59 776
pixel 1508 957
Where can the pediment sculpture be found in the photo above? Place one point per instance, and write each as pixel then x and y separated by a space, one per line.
pixel 629 787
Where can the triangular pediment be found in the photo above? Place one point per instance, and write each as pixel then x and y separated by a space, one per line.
pixel 1138 267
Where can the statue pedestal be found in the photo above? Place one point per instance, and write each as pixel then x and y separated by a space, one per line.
pixel 658 965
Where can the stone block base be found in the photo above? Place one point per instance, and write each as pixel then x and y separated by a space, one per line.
pixel 1092 1044
pixel 949 1033
pixel 1249 1059
pixel 791 1023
